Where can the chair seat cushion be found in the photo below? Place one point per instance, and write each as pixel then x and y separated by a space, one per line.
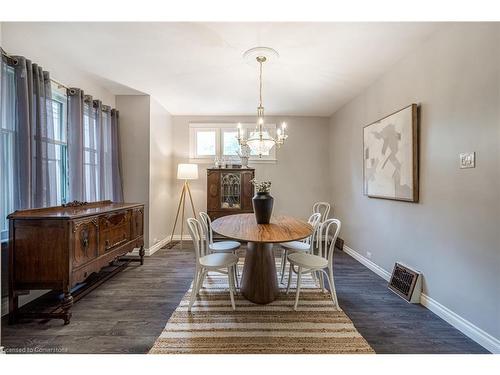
pixel 296 245
pixel 307 260
pixel 218 260
pixel 224 246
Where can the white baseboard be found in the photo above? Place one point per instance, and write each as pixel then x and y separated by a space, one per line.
pixel 368 263
pixel 463 325
pixel 160 244
pixel 153 249
pixel 185 237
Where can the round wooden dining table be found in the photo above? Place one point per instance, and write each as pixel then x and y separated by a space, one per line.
pixel 259 282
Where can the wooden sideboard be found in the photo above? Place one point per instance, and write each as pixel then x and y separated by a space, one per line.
pixel 229 191
pixel 59 247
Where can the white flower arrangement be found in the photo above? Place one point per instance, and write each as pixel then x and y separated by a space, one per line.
pixel 262 187
pixel 244 151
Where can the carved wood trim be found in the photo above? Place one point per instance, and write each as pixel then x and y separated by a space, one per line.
pixel 78 224
pixel 75 204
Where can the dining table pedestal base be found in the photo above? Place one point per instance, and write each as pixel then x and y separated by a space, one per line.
pixel 259 282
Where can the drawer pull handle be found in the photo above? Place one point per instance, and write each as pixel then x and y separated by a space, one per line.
pixel 84 240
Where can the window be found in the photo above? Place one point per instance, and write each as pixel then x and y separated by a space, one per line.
pixel 230 145
pixel 55 157
pixel 7 132
pixel 54 149
pixel 208 141
pixel 58 142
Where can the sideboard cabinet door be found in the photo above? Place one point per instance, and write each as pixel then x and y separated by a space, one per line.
pixel 247 190
pixel 213 188
pixel 137 224
pixel 85 242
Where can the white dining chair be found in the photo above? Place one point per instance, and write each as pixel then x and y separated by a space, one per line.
pixel 301 263
pixel 216 262
pixel 322 208
pixel 225 246
pixel 305 246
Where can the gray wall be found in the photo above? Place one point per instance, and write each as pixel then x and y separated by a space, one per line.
pixel 160 173
pixel 299 177
pixel 453 234
pixel 134 146
pixel 146 147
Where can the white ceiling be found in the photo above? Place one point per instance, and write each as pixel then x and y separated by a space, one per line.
pixel 197 68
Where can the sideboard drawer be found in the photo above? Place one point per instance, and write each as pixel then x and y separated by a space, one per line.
pixel 115 231
pixel 111 239
pixel 114 220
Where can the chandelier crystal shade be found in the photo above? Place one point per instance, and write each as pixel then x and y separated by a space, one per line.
pixel 260 141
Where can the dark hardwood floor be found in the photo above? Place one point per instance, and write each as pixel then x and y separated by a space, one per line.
pixel 127 313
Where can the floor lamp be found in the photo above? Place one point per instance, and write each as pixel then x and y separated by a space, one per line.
pixel 185 172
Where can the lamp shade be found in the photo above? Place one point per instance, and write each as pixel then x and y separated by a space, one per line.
pixel 187 171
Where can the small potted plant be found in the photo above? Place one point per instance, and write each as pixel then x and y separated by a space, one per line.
pixel 262 201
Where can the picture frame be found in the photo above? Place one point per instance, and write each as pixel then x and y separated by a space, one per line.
pixel 391 156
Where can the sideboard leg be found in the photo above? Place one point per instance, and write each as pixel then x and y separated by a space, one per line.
pixel 66 305
pixel 13 306
pixel 141 254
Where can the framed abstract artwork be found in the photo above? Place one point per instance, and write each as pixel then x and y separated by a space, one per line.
pixel 390 156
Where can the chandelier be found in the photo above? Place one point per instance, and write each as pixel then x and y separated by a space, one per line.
pixel 260 141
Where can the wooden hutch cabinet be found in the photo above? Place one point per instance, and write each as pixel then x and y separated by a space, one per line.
pixel 229 191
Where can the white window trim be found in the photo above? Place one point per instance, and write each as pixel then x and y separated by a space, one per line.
pixel 218 127
pixel 193 145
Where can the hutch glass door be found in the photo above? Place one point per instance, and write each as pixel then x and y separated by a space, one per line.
pixel 230 190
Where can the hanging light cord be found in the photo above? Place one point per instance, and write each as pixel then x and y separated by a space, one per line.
pixel 260 87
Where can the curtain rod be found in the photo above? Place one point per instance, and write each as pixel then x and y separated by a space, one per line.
pixel 59 84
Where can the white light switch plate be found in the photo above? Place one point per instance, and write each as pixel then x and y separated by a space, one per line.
pixel 467 160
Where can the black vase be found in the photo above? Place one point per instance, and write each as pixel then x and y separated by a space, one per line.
pixel 263 207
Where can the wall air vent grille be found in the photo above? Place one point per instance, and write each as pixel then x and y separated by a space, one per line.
pixel 406 283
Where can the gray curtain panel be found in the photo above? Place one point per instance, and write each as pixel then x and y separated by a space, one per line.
pixel 91 151
pixel 7 149
pixel 23 197
pixel 75 145
pixel 100 124
pixel 106 157
pixel 35 153
pixel 116 157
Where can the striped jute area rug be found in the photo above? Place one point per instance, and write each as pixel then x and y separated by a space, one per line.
pixel 213 327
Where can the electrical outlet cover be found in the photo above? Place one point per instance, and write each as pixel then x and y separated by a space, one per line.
pixel 467 160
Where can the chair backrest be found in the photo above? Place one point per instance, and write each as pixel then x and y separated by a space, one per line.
pixel 314 221
pixel 207 227
pixel 323 208
pixel 328 233
pixel 199 240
